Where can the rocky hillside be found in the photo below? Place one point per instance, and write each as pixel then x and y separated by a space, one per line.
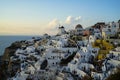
pixel 5 62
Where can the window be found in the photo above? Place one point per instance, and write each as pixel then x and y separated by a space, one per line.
pixel 60 57
pixel 109 30
pixel 108 26
pixel 115 26
pixel 53 57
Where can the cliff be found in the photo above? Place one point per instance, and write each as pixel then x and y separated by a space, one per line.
pixel 9 51
pixel 5 63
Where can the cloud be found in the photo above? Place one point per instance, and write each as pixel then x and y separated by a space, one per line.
pixel 52 26
pixel 37 28
pixel 73 20
pixel 53 23
pixel 78 18
pixel 69 22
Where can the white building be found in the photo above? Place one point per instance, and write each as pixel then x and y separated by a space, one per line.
pixel 61 30
pixel 111 28
pixel 79 29
pixel 114 54
pixel 43 75
pixel 87 53
pixel 54 57
pixel 87 67
pixel 97 76
pixel 97 33
pixel 91 39
pixel 74 70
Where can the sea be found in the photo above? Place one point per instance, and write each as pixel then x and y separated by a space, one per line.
pixel 6 41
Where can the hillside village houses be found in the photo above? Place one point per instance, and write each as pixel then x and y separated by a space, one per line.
pixel 111 28
pixel 69 55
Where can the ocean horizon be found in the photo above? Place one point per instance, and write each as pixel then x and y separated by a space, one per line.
pixel 7 40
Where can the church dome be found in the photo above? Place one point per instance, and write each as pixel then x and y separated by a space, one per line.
pixel 78 26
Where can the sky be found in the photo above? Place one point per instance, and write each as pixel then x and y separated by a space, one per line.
pixel 36 17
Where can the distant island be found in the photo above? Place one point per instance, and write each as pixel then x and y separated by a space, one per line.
pixel 92 53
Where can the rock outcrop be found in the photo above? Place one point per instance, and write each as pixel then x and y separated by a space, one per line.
pixel 5 62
